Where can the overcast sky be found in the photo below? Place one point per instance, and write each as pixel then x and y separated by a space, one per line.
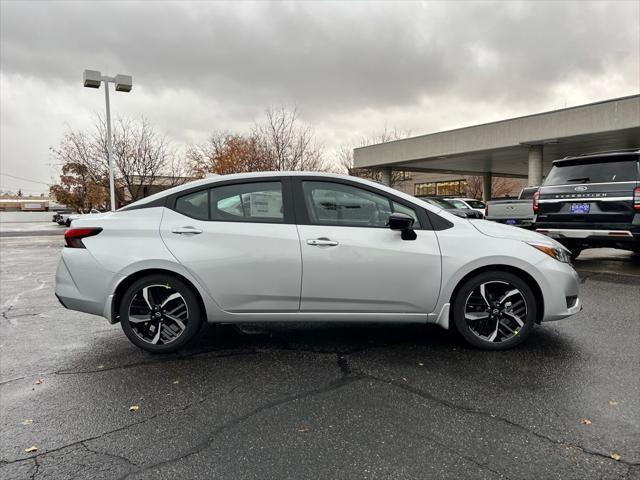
pixel 351 68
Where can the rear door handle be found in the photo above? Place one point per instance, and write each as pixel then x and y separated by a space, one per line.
pixel 321 242
pixel 186 230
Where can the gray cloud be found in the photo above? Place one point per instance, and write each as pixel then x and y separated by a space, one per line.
pixel 350 67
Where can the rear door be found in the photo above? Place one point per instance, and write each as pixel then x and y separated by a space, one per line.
pixel 352 262
pixel 594 191
pixel 240 241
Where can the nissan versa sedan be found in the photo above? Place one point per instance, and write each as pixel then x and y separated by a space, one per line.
pixel 292 246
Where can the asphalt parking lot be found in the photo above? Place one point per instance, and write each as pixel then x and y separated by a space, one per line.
pixel 316 401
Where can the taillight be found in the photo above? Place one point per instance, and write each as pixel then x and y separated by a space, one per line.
pixel 486 211
pixel 536 207
pixel 636 199
pixel 73 236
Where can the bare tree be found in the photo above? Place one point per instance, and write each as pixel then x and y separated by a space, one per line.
pixel 500 186
pixel 287 143
pixel 345 161
pixel 140 155
pixel 279 142
pixel 226 153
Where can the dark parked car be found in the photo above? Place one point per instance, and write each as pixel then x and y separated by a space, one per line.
pixel 449 207
pixel 592 201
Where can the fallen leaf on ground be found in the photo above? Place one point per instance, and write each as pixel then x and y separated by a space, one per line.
pixel 39 381
pixel 585 421
pixel 420 364
pixel 31 449
pixel 303 429
pixel 27 421
pixel 176 382
pixel 612 402
pixel 134 408
pixel 616 456
pixel 100 366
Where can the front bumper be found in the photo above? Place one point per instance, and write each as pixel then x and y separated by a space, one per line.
pixel 560 282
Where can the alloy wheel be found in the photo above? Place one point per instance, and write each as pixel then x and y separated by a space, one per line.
pixel 158 314
pixel 495 311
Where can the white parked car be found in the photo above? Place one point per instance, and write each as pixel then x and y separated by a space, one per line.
pixel 310 247
pixel 468 203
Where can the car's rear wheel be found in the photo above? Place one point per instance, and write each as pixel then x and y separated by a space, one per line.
pixel 494 310
pixel 160 313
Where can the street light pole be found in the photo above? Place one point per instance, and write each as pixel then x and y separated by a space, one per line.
pixel 112 187
pixel 93 79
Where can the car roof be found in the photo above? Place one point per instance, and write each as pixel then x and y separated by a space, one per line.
pixel 212 180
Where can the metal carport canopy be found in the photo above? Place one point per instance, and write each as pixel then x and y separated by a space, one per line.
pixel 502 148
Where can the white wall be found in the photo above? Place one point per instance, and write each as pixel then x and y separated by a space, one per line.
pixel 6 217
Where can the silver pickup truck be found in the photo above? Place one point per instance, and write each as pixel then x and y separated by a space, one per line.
pixel 513 212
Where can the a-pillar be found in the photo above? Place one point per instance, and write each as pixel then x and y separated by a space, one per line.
pixel 486 186
pixel 386 176
pixel 535 166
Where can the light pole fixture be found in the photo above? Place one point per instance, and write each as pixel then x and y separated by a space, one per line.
pixel 93 79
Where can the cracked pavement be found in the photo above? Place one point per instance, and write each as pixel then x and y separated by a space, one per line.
pixel 313 401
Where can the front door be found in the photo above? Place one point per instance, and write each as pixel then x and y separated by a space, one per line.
pixel 352 262
pixel 234 239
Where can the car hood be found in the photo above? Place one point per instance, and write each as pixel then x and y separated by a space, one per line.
pixel 500 230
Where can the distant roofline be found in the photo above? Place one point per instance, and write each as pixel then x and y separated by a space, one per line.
pixel 610 100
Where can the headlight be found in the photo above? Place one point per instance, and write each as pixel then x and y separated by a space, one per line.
pixel 559 254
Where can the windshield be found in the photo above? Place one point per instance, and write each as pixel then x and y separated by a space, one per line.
pixel 456 203
pixel 593 172
pixel 438 202
pixel 475 203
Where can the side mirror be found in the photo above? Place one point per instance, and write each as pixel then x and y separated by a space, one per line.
pixel 404 223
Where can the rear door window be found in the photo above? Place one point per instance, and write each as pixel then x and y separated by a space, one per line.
pixel 248 202
pixel 593 172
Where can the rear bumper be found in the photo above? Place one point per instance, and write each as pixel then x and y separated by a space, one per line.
pixel 82 284
pixel 596 237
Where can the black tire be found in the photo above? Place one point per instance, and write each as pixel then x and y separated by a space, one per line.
pixel 469 290
pixel 133 330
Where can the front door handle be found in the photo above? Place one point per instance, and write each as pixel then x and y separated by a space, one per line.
pixel 186 230
pixel 321 242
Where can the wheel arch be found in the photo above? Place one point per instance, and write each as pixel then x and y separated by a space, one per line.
pixel 128 280
pixel 535 287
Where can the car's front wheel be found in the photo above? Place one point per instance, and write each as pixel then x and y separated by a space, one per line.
pixel 160 313
pixel 494 310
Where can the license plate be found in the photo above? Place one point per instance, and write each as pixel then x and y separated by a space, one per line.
pixel 579 208
pixel 511 222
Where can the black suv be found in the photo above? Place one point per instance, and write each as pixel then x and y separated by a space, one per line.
pixel 591 201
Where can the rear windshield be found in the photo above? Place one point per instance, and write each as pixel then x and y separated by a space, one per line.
pixel 593 172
